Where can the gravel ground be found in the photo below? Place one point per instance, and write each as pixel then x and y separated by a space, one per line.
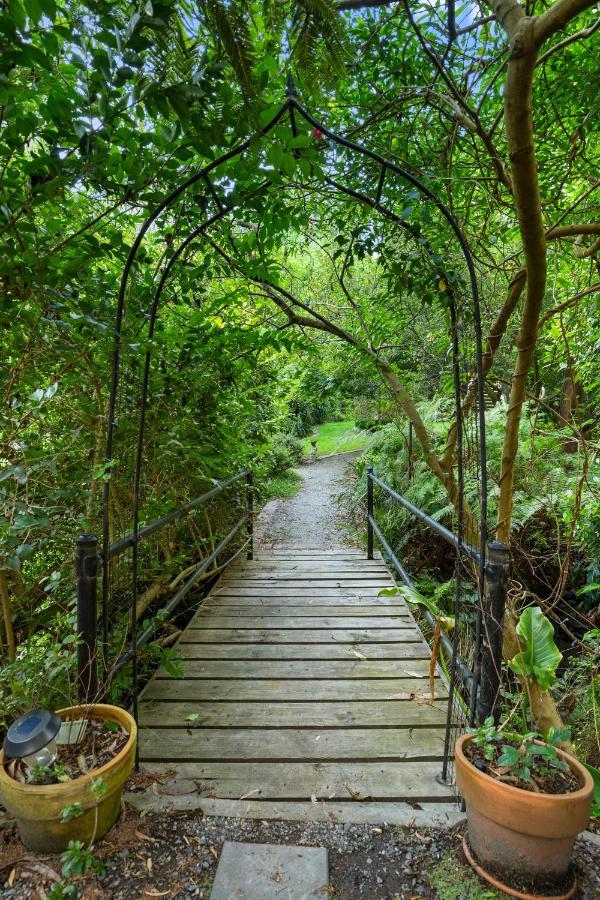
pixel 310 517
pixel 176 856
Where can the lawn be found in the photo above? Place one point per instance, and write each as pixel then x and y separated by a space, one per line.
pixel 337 437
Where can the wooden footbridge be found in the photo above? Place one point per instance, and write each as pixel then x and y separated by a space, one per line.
pixel 304 694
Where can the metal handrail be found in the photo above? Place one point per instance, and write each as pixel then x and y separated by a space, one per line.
pixel 178 597
pixel 88 556
pixel 429 521
pixel 123 543
pixel 465 674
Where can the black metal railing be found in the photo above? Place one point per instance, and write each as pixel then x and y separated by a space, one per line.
pixel 89 561
pixel 480 680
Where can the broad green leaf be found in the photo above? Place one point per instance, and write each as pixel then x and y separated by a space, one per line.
pixel 509 756
pixel 541 656
pixel 418 599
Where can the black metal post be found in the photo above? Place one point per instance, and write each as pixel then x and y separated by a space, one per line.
pixel 250 508
pixel 86 572
pixel 410 451
pixel 369 512
pixel 497 573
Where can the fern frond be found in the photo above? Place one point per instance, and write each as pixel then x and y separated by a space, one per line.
pixel 232 30
pixel 319 50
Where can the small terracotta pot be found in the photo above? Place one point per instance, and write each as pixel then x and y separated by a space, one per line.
pixel 37 807
pixel 522 833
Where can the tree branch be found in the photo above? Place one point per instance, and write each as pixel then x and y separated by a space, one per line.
pixel 578 36
pixel 569 303
pixel 559 15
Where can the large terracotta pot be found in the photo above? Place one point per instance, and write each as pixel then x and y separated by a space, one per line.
pixel 517 832
pixel 37 807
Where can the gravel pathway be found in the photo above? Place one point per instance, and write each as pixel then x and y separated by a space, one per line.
pixel 311 517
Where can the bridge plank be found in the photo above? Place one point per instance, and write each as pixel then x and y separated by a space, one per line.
pixel 234 608
pixel 256 714
pixel 408 780
pixel 326 593
pixel 214 620
pixel 308 635
pixel 304 601
pixel 415 650
pixel 292 744
pixel 193 689
pixel 299 668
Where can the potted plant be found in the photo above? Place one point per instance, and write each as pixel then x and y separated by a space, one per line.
pixel 69 790
pixel 526 798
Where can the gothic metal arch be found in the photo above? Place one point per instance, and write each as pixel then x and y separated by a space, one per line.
pixel 293 109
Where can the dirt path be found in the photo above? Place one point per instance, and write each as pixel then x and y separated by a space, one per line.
pixel 311 517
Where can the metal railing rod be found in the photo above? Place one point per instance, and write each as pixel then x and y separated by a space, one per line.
pixel 123 543
pixel 462 669
pixel 427 520
pixel 178 597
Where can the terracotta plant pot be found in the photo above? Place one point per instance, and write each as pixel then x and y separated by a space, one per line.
pixel 520 833
pixel 37 807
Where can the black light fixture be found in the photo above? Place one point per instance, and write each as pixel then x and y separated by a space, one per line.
pixel 31 738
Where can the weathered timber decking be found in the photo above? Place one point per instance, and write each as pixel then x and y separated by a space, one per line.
pixel 308 687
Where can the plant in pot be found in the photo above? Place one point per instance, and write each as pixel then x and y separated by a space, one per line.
pixel 526 798
pixel 62 774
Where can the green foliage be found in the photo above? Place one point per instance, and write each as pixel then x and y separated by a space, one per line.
pixel 452 880
pixel 73 811
pixel 63 890
pixel 98 788
pixel 78 860
pixel 51 774
pixel 526 755
pixel 595 773
pixel 336 437
pixel 540 658
pixel 283 486
pixel 431 603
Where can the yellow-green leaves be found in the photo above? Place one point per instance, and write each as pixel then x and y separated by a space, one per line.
pixel 541 656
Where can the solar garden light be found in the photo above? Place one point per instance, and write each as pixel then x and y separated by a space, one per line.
pixel 32 738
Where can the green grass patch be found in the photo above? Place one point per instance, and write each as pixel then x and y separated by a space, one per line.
pixel 452 880
pixel 283 486
pixel 337 437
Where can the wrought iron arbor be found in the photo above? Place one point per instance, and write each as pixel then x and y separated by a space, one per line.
pixel 135 328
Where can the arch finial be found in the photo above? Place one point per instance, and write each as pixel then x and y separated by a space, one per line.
pixel 290 89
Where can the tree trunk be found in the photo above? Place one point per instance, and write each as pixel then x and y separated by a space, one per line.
pixel 7 615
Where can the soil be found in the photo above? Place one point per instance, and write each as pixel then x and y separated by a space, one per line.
pixel 101 742
pixel 311 517
pixel 176 856
pixel 546 780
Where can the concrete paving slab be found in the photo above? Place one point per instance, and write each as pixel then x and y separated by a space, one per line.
pixel 270 872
